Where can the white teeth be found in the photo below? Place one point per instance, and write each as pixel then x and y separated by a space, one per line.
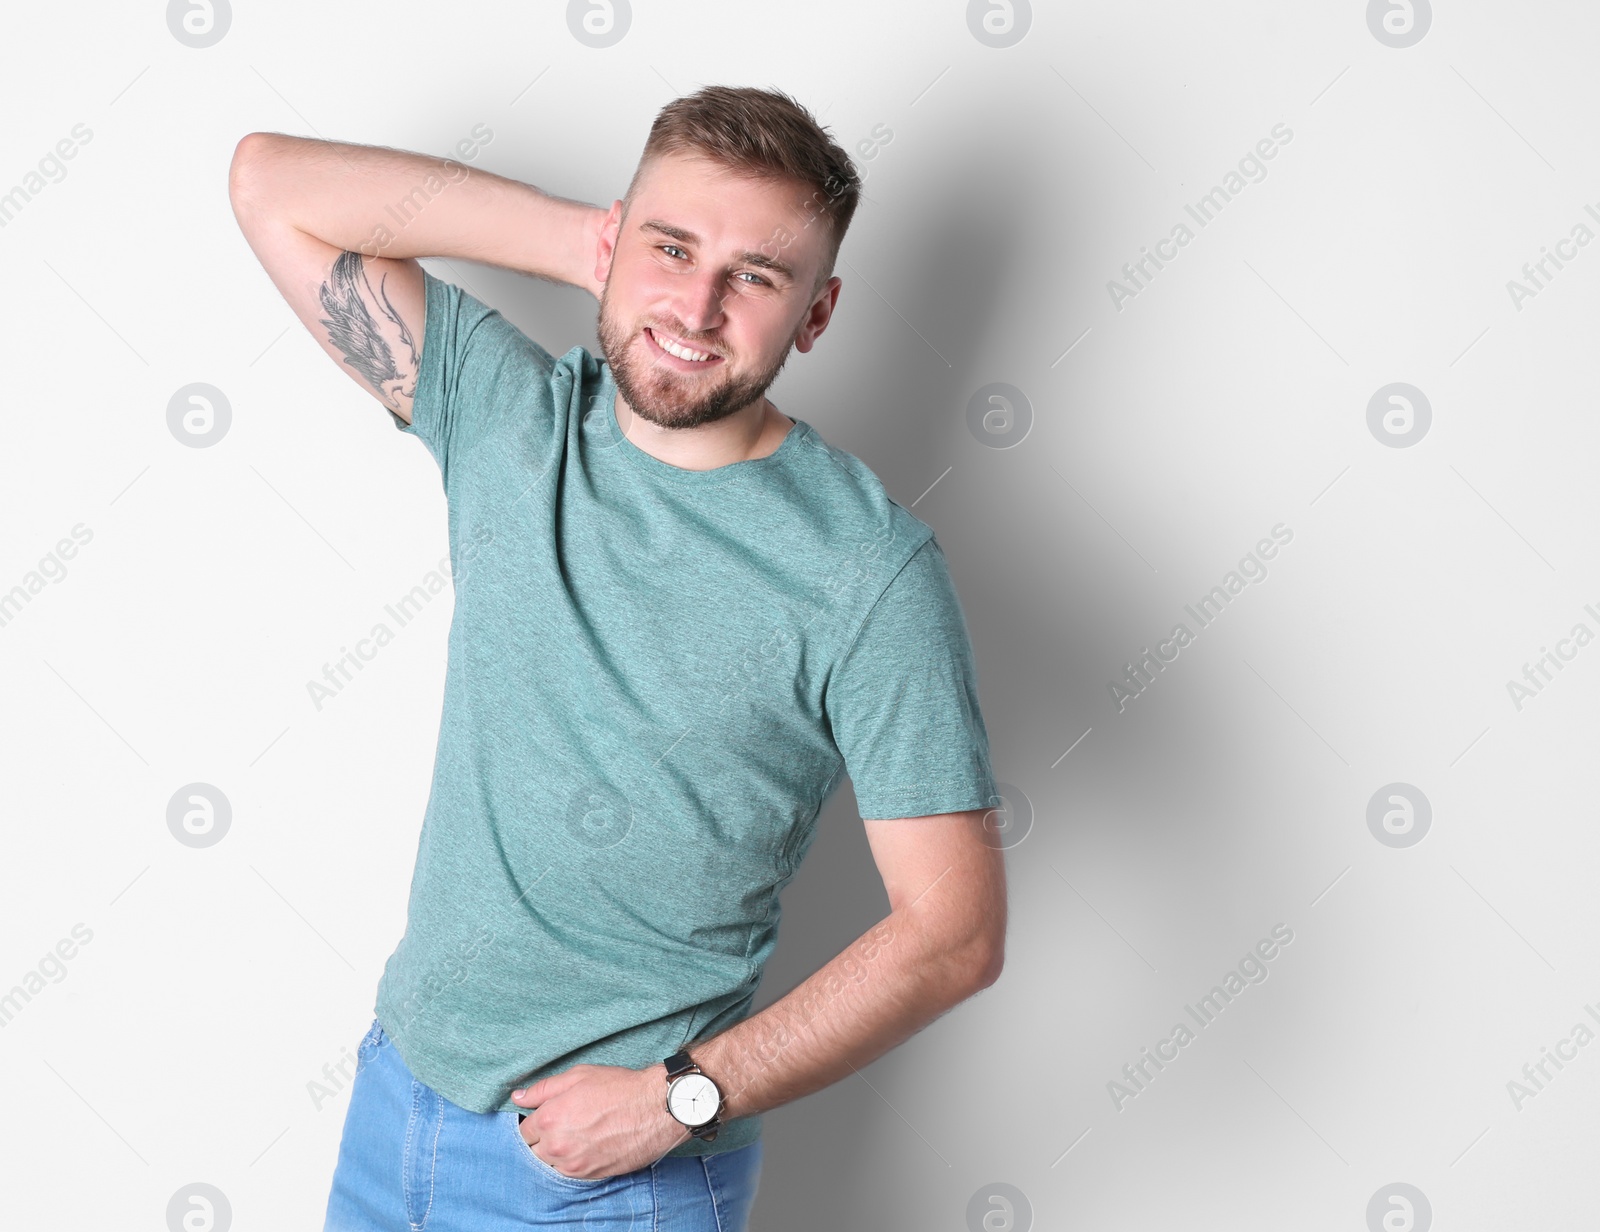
pixel 672 348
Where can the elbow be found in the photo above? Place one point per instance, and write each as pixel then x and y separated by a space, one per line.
pixel 245 155
pixel 990 970
pixel 252 150
pixel 984 965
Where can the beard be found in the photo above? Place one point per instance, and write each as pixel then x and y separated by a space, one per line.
pixel 669 398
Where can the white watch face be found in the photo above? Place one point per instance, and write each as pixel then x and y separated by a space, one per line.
pixel 692 1098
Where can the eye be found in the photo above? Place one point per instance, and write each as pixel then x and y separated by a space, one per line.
pixel 673 248
pixel 759 280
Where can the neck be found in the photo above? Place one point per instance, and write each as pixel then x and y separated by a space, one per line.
pixel 753 431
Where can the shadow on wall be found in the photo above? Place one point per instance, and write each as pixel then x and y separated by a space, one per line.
pixel 939 247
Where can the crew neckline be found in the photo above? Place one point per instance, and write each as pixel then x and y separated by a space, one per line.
pixel 717 474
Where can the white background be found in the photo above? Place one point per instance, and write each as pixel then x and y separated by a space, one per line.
pixel 1169 435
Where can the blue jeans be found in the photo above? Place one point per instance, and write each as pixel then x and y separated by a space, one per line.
pixel 411 1161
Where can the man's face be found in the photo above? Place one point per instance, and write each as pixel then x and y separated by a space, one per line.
pixel 708 284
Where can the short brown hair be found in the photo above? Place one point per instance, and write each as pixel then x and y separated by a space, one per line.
pixel 763 134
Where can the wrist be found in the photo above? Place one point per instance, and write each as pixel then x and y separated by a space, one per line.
pixel 581 224
pixel 594 225
pixel 694 1098
pixel 664 1131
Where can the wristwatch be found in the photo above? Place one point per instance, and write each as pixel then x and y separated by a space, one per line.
pixel 692 1098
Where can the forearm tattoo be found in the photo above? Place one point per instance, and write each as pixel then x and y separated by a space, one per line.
pixel 352 329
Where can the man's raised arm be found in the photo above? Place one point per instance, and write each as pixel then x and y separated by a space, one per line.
pixel 325 220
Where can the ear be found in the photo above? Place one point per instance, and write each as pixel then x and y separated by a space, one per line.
pixel 818 315
pixel 606 246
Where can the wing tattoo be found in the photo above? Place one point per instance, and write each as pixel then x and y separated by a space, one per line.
pixel 352 329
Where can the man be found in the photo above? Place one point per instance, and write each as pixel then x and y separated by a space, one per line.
pixel 680 618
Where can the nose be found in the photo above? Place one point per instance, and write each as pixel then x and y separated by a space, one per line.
pixel 698 301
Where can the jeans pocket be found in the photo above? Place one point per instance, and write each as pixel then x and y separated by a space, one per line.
pixel 513 1119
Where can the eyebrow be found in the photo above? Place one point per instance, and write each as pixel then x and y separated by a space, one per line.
pixel 758 259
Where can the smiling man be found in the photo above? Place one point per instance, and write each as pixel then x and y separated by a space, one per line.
pixel 681 618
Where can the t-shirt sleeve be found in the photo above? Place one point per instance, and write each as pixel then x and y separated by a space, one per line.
pixel 474 365
pixel 903 701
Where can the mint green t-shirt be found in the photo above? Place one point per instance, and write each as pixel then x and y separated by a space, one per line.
pixel 656 679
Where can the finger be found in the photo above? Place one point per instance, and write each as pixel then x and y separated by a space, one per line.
pixel 537 1092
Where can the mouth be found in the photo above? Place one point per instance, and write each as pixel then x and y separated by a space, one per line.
pixel 678 355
